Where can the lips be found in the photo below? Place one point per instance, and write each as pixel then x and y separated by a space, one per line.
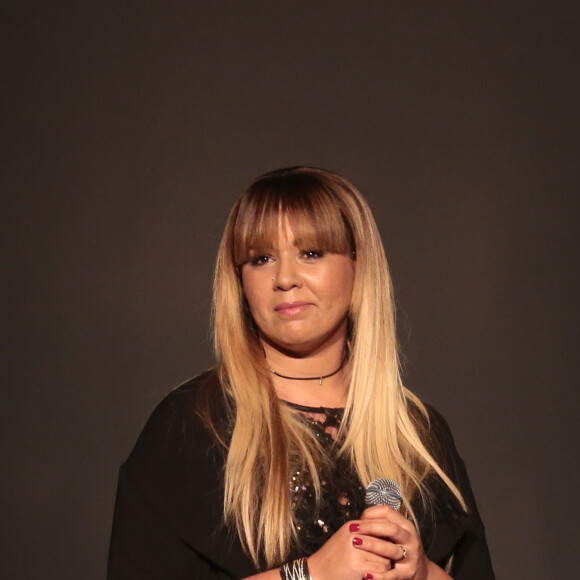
pixel 292 308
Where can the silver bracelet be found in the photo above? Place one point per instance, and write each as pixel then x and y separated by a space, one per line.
pixel 295 570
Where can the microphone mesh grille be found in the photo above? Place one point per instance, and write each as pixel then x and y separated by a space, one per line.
pixel 384 491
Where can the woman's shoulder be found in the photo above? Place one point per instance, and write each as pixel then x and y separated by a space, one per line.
pixel 192 391
pixel 439 429
pixel 446 527
pixel 433 430
pixel 171 491
pixel 185 417
pixel 196 396
pixel 438 438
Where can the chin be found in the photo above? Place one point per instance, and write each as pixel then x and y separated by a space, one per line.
pixel 300 346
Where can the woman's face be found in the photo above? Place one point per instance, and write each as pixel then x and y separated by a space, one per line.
pixel 299 297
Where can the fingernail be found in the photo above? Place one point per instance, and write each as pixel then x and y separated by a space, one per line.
pixel 354 528
pixel 369 576
pixel 357 541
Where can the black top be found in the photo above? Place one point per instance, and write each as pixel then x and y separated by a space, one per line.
pixel 168 513
pixel 342 493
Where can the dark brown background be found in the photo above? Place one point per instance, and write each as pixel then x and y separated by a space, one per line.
pixel 129 129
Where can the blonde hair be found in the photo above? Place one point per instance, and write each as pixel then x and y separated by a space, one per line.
pixel 382 426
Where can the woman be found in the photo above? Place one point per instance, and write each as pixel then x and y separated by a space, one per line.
pixel 259 467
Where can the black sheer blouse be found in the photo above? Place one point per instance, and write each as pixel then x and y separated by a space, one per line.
pixel 168 522
pixel 342 491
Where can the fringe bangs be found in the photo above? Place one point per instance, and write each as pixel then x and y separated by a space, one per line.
pixel 313 213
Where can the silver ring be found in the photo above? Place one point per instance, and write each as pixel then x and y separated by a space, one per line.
pixel 404 552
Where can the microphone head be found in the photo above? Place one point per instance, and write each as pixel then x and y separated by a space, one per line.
pixel 384 491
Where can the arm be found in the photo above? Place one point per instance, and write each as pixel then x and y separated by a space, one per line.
pixel 269 575
pixel 371 548
pixel 145 543
pixel 455 532
pixel 168 513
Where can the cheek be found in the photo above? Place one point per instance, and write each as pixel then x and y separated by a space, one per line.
pixel 252 286
pixel 337 286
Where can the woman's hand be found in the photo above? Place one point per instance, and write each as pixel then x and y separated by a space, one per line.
pixel 342 559
pixel 409 559
pixel 382 545
pixel 382 523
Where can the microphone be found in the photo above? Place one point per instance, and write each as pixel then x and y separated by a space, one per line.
pixel 383 491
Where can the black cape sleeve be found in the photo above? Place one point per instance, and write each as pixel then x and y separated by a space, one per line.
pixel 168 512
pixel 450 535
pixel 168 522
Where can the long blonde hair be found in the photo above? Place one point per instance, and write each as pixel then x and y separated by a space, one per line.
pixel 382 433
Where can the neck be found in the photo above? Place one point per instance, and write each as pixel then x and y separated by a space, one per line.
pixel 316 378
pixel 332 391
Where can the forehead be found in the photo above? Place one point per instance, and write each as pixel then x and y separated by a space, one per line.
pixel 301 204
pixel 287 230
pixel 283 236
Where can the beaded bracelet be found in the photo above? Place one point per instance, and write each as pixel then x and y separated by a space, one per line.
pixel 295 570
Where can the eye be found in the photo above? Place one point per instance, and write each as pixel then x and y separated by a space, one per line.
pixel 260 260
pixel 312 254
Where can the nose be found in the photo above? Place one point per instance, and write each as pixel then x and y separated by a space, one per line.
pixel 287 275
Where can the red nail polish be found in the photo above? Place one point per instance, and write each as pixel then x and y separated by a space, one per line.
pixel 357 541
pixel 369 576
pixel 353 528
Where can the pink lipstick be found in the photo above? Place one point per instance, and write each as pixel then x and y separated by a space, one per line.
pixel 292 308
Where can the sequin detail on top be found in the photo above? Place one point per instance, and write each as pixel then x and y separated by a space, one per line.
pixel 342 491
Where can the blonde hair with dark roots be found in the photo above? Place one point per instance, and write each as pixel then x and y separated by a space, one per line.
pixel 382 437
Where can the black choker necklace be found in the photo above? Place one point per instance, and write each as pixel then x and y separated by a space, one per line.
pixel 308 378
